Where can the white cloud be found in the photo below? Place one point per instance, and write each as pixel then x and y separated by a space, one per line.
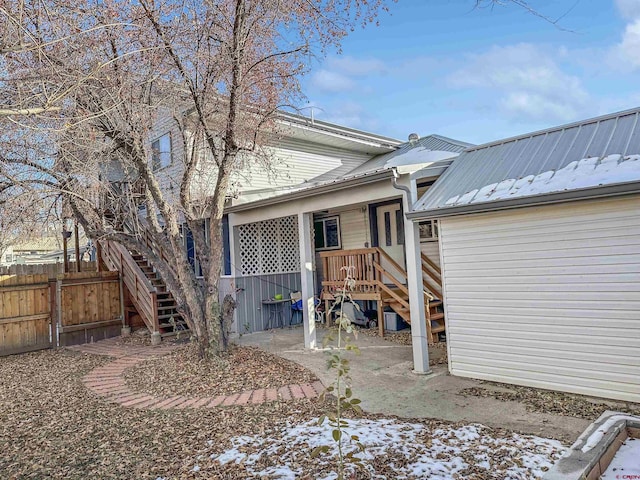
pixel 350 114
pixel 629 8
pixel 528 81
pixel 629 49
pixel 342 74
pixel 330 81
pixel 356 66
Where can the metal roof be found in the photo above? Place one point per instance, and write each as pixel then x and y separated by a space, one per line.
pixel 332 129
pixel 413 150
pixel 533 155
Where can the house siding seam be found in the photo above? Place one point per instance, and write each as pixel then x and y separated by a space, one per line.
pixel 547 297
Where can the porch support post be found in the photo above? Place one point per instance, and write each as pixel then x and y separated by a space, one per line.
pixel 306 276
pixel 416 295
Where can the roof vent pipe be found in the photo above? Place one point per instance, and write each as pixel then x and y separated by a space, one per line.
pixel 413 138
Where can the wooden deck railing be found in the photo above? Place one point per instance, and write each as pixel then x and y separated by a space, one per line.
pixel 364 273
pixel 374 270
pixel 143 294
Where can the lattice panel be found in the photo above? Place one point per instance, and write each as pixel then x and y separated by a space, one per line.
pixel 249 236
pixel 290 244
pixel 269 247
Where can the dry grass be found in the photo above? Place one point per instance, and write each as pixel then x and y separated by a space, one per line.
pixel 245 368
pixel 51 426
pixel 547 401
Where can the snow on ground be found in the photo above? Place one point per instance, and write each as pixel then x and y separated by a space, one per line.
pixel 595 437
pixel 626 462
pixel 585 173
pixel 396 449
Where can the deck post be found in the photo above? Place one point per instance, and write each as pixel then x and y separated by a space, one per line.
pixel 416 295
pixel 305 223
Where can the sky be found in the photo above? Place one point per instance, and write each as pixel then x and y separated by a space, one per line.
pixel 481 74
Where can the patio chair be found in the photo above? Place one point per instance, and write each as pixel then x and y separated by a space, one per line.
pixel 296 307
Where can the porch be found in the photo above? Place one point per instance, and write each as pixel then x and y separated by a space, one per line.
pixel 307 252
pixel 379 278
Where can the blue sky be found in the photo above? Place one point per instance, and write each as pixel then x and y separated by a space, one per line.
pixel 441 66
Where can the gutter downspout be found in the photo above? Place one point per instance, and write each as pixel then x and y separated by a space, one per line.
pixel 419 340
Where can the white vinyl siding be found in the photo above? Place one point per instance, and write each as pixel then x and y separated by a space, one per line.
pixel 355 228
pixel 547 296
pixel 295 161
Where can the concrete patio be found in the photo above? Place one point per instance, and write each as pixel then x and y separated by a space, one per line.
pixel 383 380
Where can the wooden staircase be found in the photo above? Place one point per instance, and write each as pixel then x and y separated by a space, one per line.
pixel 379 278
pixel 434 314
pixel 146 290
pixel 170 321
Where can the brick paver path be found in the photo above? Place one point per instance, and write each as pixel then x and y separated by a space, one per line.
pixel 108 382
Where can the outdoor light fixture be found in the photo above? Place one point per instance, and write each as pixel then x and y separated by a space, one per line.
pixel 66 234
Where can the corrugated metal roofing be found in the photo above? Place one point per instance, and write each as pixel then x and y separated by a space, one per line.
pixel 428 143
pixel 533 154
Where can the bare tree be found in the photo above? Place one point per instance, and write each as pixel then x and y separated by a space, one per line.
pixel 87 81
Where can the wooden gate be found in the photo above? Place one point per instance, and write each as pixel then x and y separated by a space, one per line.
pixel 25 314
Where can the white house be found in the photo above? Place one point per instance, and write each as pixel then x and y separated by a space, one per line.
pixel 297 238
pixel 540 257
pixel 327 199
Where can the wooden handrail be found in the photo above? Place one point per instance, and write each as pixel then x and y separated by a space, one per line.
pixel 143 293
pixel 394 280
pixel 430 274
pixel 393 294
pixel 431 263
pixel 393 263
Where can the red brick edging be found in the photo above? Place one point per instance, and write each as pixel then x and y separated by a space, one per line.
pixel 108 382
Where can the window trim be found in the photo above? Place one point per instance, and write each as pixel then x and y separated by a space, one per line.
pixel 435 231
pixel 324 233
pixel 153 163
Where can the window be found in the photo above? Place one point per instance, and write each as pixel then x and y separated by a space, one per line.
pixel 327 233
pixel 190 246
pixel 161 152
pixel 428 230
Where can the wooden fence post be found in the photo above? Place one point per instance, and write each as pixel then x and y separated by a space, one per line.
pixel 53 312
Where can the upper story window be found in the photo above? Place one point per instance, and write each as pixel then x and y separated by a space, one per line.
pixel 161 152
pixel 327 233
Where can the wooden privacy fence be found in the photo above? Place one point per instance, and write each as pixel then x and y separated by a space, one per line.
pixel 38 313
pixel 25 313
pixel 89 306
pixel 52 270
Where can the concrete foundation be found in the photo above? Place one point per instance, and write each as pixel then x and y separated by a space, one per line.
pixel 591 454
pixel 156 339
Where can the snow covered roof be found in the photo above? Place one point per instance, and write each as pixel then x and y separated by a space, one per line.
pixel 578 157
pixel 425 150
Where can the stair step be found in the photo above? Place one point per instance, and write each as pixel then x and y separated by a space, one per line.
pixel 438 329
pixel 168 307
pixel 175 333
pixel 178 325
pixel 435 303
pixel 437 316
pixel 167 316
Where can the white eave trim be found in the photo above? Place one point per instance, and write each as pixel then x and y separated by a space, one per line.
pixel 313 191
